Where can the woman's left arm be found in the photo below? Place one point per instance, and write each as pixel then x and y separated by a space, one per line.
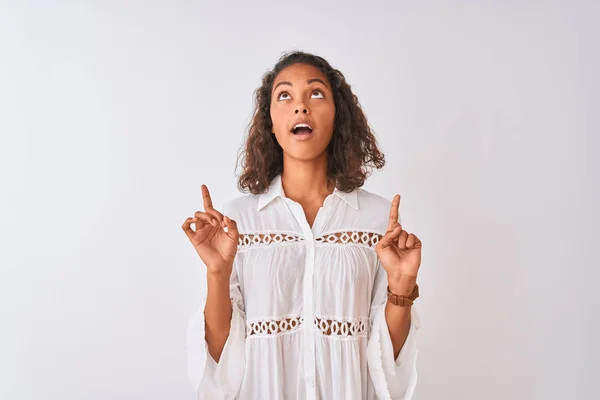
pixel 399 253
pixel 392 350
pixel 398 318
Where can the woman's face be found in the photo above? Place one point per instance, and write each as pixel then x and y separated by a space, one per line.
pixel 302 94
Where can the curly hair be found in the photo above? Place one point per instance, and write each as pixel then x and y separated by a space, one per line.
pixel 352 151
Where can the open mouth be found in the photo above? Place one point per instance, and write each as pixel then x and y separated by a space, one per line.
pixel 302 129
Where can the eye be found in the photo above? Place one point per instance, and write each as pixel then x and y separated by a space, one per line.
pixel 281 94
pixel 319 93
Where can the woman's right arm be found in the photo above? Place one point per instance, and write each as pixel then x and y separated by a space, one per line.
pixel 217 326
pixel 217 312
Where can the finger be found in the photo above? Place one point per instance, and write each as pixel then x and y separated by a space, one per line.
pixel 217 216
pixel 187 227
pixel 389 237
pixel 232 229
pixel 206 197
pixel 402 240
pixel 394 211
pixel 205 217
pixel 394 225
pixel 208 206
pixel 417 244
pixel 410 241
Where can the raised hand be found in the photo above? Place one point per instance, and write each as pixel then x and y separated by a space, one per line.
pixel 398 250
pixel 215 246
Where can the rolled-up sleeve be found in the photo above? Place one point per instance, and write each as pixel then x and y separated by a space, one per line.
pixel 393 379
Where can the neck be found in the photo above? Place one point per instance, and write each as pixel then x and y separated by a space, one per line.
pixel 306 182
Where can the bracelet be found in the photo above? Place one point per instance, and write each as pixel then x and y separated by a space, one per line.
pixel 403 301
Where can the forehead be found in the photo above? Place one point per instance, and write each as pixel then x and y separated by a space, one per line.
pixel 300 73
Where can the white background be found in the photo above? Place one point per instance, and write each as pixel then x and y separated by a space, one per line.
pixel 113 113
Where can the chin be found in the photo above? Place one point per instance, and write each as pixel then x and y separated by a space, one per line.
pixel 304 155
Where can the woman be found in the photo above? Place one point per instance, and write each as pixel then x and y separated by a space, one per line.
pixel 310 278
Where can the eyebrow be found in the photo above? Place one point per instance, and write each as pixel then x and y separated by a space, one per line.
pixel 308 82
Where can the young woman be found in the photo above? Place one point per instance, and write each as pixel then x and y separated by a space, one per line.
pixel 310 278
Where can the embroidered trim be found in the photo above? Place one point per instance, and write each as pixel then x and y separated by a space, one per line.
pixel 326 326
pixel 274 326
pixel 344 328
pixel 247 240
pixel 369 239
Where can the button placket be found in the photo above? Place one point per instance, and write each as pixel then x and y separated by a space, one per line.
pixel 308 341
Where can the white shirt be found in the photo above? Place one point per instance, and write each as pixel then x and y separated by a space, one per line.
pixel 308 306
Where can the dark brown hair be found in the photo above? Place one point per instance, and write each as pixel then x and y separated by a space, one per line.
pixel 352 152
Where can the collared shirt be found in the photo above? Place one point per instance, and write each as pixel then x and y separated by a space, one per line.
pixel 308 302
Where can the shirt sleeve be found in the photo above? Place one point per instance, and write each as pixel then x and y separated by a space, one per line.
pixel 393 379
pixel 210 379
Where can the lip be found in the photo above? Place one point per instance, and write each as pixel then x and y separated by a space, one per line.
pixel 302 121
pixel 304 136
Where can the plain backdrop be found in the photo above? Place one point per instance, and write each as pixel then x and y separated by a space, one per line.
pixel 113 113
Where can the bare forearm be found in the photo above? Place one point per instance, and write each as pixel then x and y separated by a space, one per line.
pixel 217 313
pixel 398 318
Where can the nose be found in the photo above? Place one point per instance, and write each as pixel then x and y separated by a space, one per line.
pixel 301 108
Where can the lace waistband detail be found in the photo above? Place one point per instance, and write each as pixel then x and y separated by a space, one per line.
pixel 263 239
pixel 346 327
pixel 369 239
pixel 274 326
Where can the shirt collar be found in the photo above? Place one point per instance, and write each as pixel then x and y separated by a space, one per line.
pixel 276 190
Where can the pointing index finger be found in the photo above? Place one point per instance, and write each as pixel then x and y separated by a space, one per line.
pixel 394 211
pixel 206 197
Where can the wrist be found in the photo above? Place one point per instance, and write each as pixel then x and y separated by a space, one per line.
pixel 219 276
pixel 403 286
